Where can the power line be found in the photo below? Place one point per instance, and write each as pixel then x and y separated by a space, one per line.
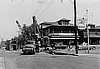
pixel 47 7
pixel 71 2
pixel 89 6
pixel 40 7
pixel 86 7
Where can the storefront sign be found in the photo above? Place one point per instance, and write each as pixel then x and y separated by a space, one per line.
pixel 81 26
pixel 81 23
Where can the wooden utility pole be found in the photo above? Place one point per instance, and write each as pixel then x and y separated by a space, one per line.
pixel 75 27
pixel 87 30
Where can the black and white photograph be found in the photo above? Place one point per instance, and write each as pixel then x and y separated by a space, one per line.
pixel 49 34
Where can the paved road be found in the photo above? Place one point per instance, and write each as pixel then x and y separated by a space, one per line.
pixel 13 60
pixel 2 66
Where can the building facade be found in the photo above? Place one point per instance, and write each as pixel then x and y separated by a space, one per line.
pixel 94 35
pixel 61 31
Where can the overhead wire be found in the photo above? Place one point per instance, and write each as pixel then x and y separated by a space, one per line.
pixel 86 7
pixel 41 5
pixel 89 6
pixel 38 7
pixel 70 1
pixel 47 7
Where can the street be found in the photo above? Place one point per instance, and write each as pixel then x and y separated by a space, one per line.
pixel 49 34
pixel 13 60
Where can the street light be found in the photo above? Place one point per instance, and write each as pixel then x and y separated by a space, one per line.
pixel 88 27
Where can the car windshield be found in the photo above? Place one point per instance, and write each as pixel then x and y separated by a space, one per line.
pixel 28 47
pixel 29 43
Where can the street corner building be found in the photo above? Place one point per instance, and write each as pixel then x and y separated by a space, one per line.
pixel 62 31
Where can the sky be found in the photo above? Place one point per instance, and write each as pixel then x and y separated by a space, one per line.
pixel 45 11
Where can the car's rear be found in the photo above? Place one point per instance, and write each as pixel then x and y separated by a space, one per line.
pixel 29 48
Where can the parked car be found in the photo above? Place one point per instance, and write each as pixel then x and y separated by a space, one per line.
pixel 80 47
pixel 60 46
pixel 29 48
pixel 91 47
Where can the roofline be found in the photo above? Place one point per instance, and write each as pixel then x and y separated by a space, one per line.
pixel 55 21
pixel 47 23
pixel 59 26
pixel 63 18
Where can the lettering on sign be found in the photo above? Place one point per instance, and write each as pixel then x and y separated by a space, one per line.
pixel 81 26
pixel 81 23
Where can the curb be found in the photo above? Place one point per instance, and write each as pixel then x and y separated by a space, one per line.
pixel 89 56
pixel 60 53
pixel 71 54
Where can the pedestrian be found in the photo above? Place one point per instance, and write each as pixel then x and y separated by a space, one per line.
pixel 69 46
pixel 52 52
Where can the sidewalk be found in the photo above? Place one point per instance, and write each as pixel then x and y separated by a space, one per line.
pixel 92 56
pixel 19 50
pixel 96 56
pixel 2 66
pixel 92 53
pixel 43 53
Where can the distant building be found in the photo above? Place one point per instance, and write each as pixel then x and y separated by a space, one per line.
pixel 63 31
pixel 94 34
pixel 2 44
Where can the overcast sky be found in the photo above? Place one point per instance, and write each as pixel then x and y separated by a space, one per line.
pixel 45 10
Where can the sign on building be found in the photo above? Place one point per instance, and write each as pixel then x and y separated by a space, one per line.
pixel 81 23
pixel 84 44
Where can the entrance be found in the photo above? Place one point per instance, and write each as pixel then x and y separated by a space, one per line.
pixel 14 47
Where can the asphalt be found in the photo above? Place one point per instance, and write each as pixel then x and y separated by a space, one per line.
pixel 92 54
pixel 2 62
pixel 2 66
pixel 96 56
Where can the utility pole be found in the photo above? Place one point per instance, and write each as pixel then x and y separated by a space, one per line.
pixel 75 27
pixel 87 30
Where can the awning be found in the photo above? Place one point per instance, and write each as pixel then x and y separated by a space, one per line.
pixel 63 38
pixel 93 36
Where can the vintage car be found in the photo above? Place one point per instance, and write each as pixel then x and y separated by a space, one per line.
pixel 29 48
